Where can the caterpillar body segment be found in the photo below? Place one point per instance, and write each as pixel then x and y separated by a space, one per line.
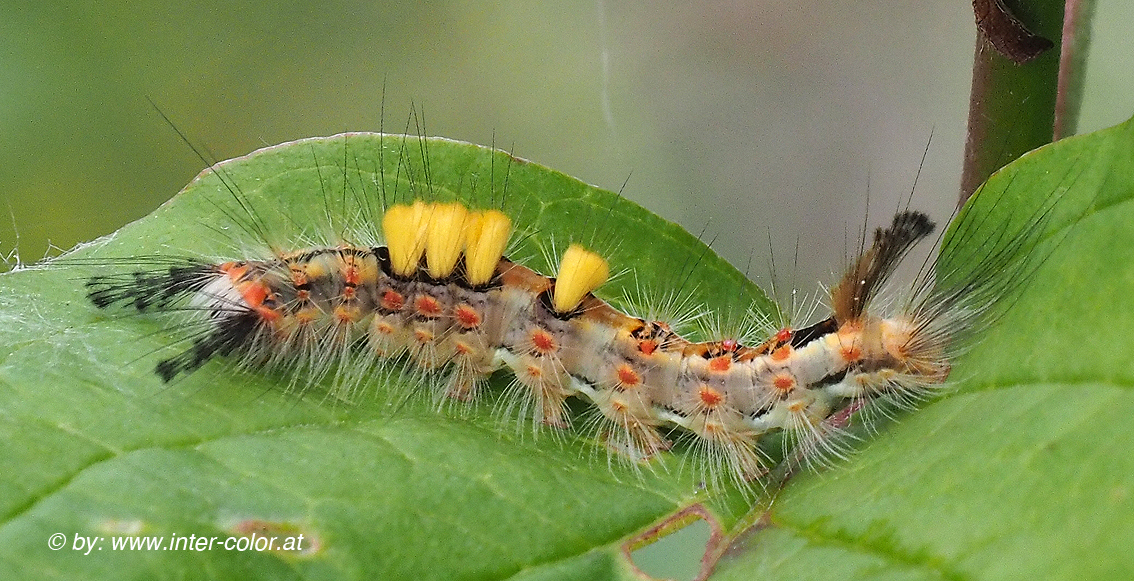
pixel 441 295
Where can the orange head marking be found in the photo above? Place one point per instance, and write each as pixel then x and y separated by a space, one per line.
pixel 849 337
pixel 720 364
pixel 234 270
pixel 783 335
pixel 710 397
pixel 427 306
pixel 543 342
pixel 268 314
pixel 259 298
pixel 781 353
pixel 467 316
pixel 850 353
pixel 350 275
pixel 393 300
pixel 253 292
pixel 648 346
pixel 627 377
pixel 784 382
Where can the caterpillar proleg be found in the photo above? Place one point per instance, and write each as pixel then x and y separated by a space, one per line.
pixel 401 270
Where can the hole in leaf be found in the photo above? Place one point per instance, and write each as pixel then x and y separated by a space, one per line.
pixel 677 555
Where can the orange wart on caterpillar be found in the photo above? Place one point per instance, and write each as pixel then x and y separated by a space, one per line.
pixel 392 261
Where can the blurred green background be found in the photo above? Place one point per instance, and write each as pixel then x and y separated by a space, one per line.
pixel 747 120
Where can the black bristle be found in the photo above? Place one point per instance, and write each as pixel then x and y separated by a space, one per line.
pixel 228 335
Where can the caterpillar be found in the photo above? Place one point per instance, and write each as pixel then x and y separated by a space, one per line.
pixel 422 279
pixel 101 446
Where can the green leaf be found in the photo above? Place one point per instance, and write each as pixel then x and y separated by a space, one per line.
pixel 1027 470
pixel 380 488
pixel 1024 469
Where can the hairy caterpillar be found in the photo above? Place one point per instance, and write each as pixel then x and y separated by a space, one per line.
pixel 432 286
pixel 102 445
